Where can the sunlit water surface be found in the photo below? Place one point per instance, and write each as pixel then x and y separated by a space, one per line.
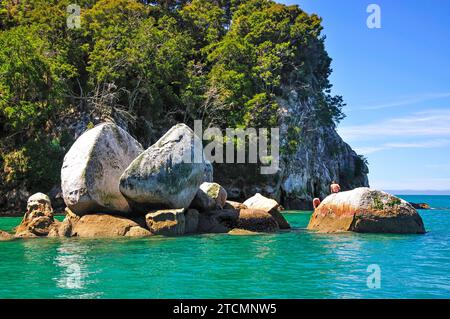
pixel 295 264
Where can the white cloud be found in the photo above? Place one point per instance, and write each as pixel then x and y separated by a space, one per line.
pixel 389 146
pixel 408 101
pixel 412 184
pixel 420 124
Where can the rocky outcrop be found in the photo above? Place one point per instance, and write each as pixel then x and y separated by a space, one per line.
pixel 5 236
pixel 92 168
pixel 209 196
pixel 100 226
pixel 38 219
pixel 164 176
pixel 366 211
pixel 169 222
pixel 420 205
pixel 270 206
pixel 256 220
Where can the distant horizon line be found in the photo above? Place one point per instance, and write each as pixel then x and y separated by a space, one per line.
pixel 418 191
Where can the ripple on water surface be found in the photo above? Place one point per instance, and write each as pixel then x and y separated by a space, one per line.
pixel 295 264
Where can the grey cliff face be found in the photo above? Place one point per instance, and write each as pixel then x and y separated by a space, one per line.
pixel 321 157
pixel 306 171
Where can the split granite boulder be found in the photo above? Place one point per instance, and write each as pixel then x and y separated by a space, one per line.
pixel 365 210
pixel 92 168
pixel 165 176
pixel 268 205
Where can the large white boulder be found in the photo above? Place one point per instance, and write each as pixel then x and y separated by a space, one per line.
pixel 164 176
pixel 92 169
pixel 366 210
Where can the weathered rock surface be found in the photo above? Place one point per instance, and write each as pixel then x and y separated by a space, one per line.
pixel 38 219
pixel 209 197
pixel 209 172
pixel 169 222
pixel 92 168
pixel 234 205
pixel 5 236
pixel 366 211
pixel 269 206
pixel 218 221
pixel 318 157
pixel 162 176
pixel 101 226
pixel 13 201
pixel 191 220
pixel 420 205
pixel 257 220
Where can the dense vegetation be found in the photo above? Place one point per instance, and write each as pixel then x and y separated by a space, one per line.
pixel 148 65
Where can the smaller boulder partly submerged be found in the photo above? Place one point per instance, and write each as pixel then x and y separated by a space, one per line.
pixel 420 205
pixel 270 206
pixel 38 220
pixel 366 210
pixel 257 220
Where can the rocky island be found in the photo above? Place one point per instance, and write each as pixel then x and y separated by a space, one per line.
pixel 104 121
pixel 113 188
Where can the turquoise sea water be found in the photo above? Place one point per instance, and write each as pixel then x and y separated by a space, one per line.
pixel 296 264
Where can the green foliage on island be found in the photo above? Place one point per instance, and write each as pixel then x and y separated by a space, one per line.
pixel 152 64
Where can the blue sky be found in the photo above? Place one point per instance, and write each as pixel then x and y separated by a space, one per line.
pixel 396 83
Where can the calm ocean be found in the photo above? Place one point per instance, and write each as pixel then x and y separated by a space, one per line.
pixel 296 264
